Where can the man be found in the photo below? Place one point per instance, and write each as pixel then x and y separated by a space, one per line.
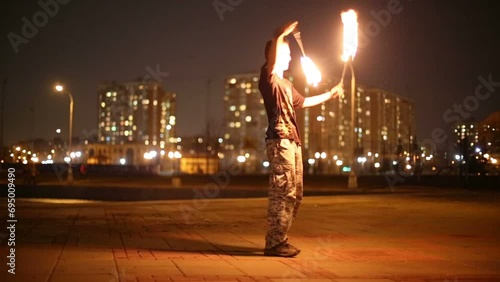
pixel 283 142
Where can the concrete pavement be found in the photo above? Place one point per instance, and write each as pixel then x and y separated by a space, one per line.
pixel 426 235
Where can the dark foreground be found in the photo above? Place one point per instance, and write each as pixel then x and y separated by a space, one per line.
pixel 424 234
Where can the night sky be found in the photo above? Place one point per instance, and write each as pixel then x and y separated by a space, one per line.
pixel 431 52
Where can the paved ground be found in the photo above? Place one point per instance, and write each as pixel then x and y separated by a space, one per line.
pixel 421 235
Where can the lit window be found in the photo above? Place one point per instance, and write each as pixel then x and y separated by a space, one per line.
pixel 248 118
pixel 232 81
pixel 103 104
pixel 232 108
pixel 243 107
pixel 238 124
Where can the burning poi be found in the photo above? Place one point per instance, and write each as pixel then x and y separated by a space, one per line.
pixel 312 73
pixel 350 21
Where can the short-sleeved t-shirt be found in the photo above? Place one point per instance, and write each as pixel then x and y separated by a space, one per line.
pixel 280 99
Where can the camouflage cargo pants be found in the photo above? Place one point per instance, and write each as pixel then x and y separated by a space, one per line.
pixel 285 188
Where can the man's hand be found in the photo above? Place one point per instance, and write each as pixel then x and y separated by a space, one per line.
pixel 286 29
pixel 337 90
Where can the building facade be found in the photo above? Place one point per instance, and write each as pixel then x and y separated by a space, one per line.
pixel 136 112
pixel 384 128
pixel 245 123
pixel 136 125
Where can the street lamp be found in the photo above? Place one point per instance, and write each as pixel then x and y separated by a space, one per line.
pixel 59 88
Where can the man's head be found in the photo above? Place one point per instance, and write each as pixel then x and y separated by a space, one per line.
pixel 283 56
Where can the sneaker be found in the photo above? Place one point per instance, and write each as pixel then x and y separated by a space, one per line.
pixel 282 250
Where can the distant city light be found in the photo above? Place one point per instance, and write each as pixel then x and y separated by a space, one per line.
pixel 311 161
pixel 67 159
pixel 241 159
pixel 408 167
pixel 377 165
pixel 58 130
pixel 265 164
pixel 122 161
pixel 339 162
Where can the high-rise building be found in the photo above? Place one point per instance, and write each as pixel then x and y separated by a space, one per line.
pixel 136 125
pixel 385 128
pixel 384 131
pixel 136 112
pixel 478 140
pixel 245 122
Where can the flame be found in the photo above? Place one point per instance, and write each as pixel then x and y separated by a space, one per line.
pixel 350 21
pixel 313 75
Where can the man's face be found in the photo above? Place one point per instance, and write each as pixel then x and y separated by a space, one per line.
pixel 283 58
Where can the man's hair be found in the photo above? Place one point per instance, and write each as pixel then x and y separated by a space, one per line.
pixel 268 47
